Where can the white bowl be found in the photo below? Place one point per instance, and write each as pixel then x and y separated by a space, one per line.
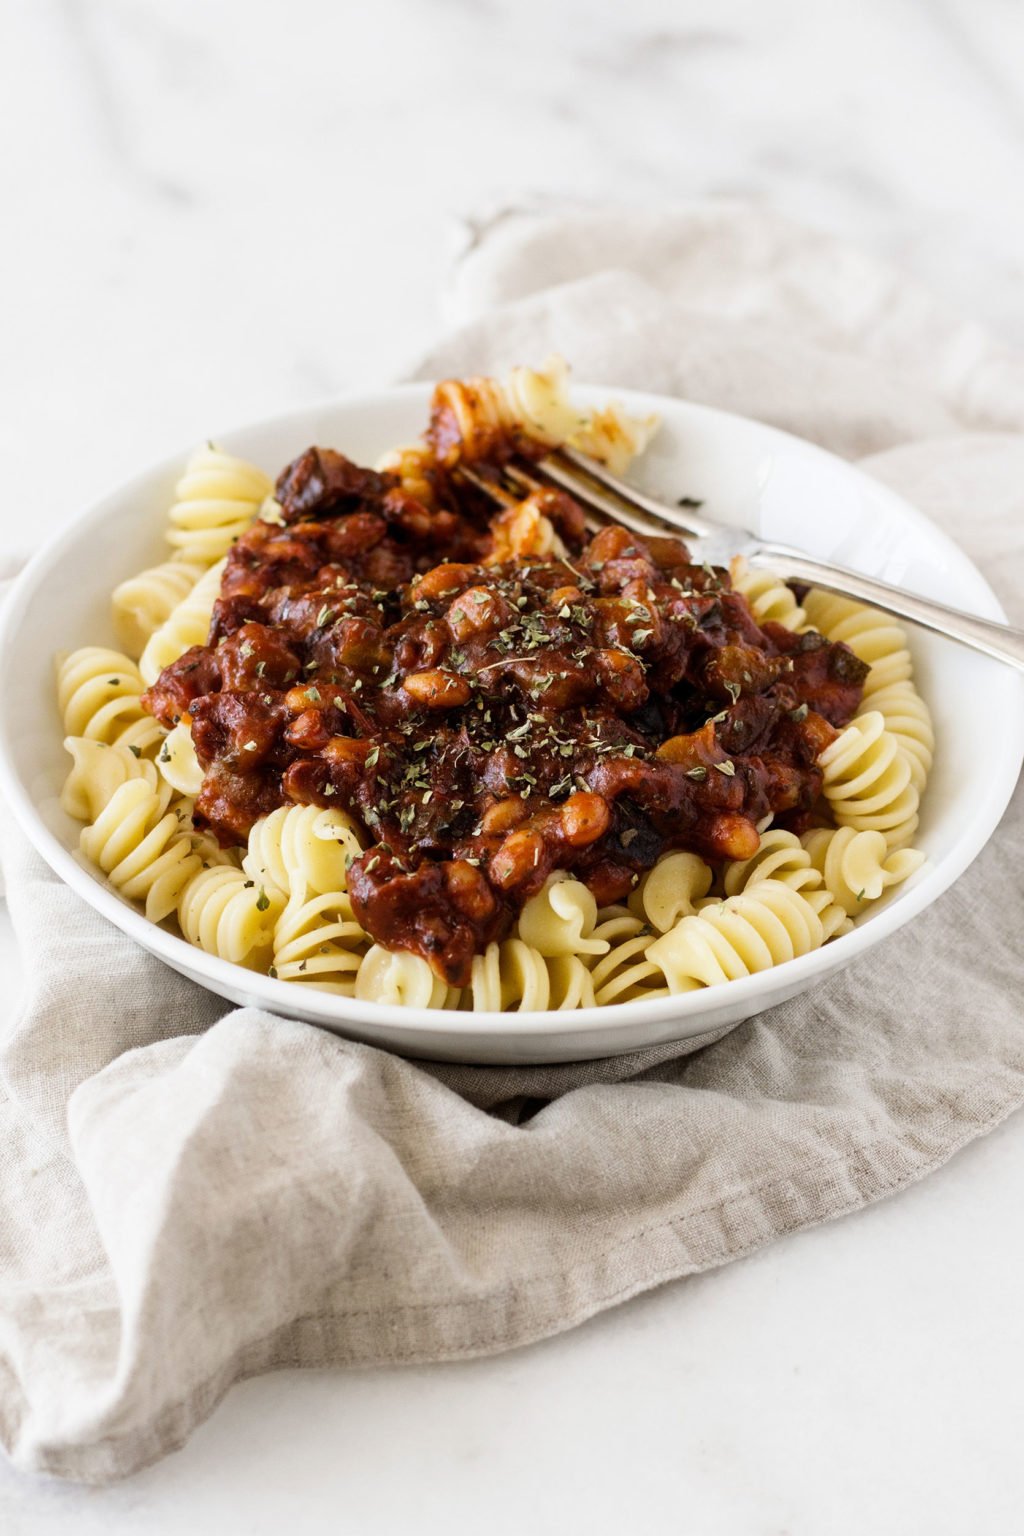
pixel 745 473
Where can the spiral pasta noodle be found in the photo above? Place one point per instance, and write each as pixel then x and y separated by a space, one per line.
pixel 514 976
pixel 99 696
pixel 177 762
pixel 768 595
pixel 868 782
pixel 782 856
pixel 626 972
pixel 483 417
pixel 187 625
pixel 908 718
pixel 142 603
pixel 318 941
pixel 881 641
pixel 397 977
pixel 98 771
pixel 141 850
pixel 858 866
pixel 301 849
pixel 670 890
pixel 216 499
pixel 414 464
pixel 524 532
pixel 226 913
pixel 763 927
pixel 560 919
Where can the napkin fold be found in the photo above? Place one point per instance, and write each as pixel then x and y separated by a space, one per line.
pixel 191 1193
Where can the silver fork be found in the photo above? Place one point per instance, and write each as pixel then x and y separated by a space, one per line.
pixel 607 498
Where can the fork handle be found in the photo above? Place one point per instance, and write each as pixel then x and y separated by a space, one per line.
pixel 999 640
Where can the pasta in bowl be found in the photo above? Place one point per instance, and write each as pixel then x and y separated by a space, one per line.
pixel 485 783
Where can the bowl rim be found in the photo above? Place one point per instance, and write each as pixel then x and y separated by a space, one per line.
pixel 352 1016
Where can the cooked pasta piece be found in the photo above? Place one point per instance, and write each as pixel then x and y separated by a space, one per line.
pixel 142 603
pixel 763 927
pixel 224 912
pixel 783 857
pixel 98 770
pixel 513 976
pixel 302 850
pixel 99 696
pixel 539 402
pixel 858 866
pixel 319 942
pixel 398 977
pixel 881 641
pixel 141 849
pixel 571 983
pixel 868 782
pixel 178 763
pixel 875 637
pixel 768 596
pixel 217 498
pixel 669 890
pixel 187 625
pixel 560 919
pixel 524 532
pixel 414 464
pixel 908 718
pixel 474 419
pixel 626 972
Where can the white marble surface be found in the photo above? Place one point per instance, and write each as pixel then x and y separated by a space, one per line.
pixel 214 209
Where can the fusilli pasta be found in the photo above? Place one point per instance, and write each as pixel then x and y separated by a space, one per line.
pixel 177 761
pixel 187 625
pixel 486 414
pixel 301 850
pixel 763 927
pixel 398 977
pixel 626 972
pixel 318 941
pixel 868 782
pixel 881 641
pixel 98 770
pixel 513 976
pixel 142 603
pixel 142 851
pixel 670 890
pixel 560 919
pixel 858 866
pixel 224 912
pixel 217 498
pixel 768 596
pixel 99 696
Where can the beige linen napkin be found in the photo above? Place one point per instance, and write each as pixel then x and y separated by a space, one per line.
pixel 191 1193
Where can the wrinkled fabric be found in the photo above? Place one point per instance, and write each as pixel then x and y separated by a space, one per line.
pixel 192 1193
